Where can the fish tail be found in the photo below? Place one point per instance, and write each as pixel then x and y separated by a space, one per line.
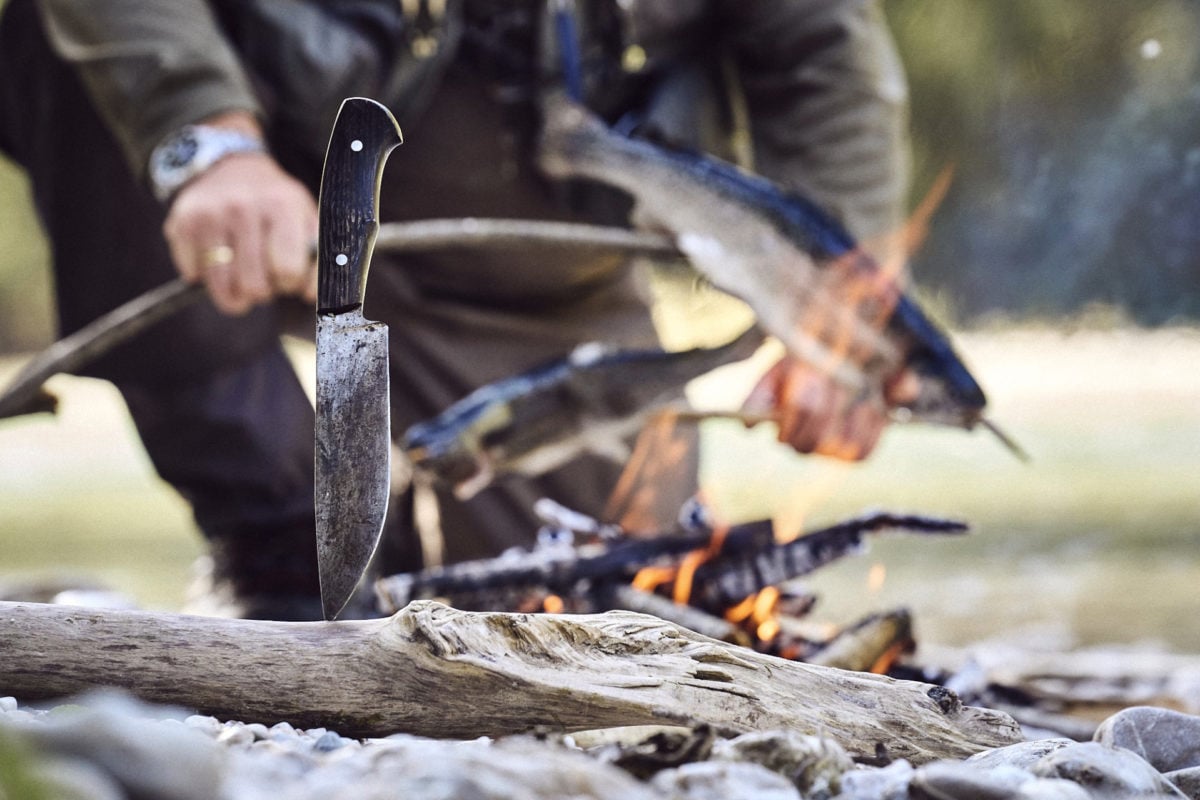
pixel 745 345
pixel 705 359
pixel 568 136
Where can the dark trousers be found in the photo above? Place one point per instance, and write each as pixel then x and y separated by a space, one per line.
pixel 215 401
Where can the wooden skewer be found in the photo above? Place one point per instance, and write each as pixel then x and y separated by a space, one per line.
pixel 25 394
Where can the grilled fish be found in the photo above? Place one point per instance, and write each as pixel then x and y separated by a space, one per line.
pixel 800 271
pixel 531 423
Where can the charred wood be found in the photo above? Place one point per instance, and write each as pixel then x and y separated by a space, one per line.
pixel 747 561
pixel 751 560
pixel 870 645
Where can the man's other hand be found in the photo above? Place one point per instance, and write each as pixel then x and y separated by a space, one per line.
pixel 817 415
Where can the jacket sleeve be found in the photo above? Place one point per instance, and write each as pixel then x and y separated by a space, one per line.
pixel 827 103
pixel 149 68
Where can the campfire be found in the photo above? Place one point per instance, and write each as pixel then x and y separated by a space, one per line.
pixel 736 583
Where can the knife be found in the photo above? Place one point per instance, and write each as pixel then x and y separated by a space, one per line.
pixel 353 427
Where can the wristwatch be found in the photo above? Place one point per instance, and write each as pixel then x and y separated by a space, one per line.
pixel 190 151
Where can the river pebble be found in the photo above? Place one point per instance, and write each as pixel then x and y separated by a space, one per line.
pixel 1022 755
pixel 1052 789
pixel 1106 772
pixel 1186 781
pixel 75 779
pixel 885 783
pixel 957 780
pixel 1167 739
pixel 724 780
pixel 108 746
pixel 814 765
pixel 130 741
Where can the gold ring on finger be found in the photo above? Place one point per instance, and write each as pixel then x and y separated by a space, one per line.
pixel 217 256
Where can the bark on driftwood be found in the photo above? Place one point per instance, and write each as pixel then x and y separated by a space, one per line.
pixel 435 671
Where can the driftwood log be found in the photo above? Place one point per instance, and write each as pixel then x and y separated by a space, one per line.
pixel 435 671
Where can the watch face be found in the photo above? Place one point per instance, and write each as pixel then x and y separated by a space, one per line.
pixel 180 152
pixel 191 151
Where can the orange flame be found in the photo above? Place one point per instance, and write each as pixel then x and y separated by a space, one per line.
pixel 648 579
pixel 553 604
pixel 765 605
pixel 659 451
pixel 758 612
pixel 767 630
pixel 742 610
pixel 681 576
pixel 848 313
pixel 691 562
pixel 854 298
pixel 889 657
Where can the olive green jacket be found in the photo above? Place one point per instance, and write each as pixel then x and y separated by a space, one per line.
pixel 818 94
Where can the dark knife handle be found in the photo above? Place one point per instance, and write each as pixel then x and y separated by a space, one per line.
pixel 363 135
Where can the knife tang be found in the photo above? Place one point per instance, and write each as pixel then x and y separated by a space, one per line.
pixel 363 135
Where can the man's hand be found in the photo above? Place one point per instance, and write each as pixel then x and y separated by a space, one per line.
pixel 816 415
pixel 244 228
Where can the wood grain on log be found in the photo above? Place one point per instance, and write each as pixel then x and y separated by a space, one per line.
pixel 435 671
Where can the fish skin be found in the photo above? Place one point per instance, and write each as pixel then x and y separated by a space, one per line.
pixel 761 243
pixel 531 423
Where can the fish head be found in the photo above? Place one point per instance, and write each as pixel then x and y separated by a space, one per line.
pixel 450 446
pixel 440 453
pixel 942 401
pixel 949 395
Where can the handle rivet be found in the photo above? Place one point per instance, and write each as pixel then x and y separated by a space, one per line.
pixel 341 259
pixel 356 145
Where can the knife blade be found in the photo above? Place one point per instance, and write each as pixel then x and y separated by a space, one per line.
pixel 352 440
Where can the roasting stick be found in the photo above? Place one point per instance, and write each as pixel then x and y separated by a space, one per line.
pixel 25 394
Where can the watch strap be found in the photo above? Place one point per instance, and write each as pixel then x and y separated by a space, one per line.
pixel 190 151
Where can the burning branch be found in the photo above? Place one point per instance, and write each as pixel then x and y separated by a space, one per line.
pixel 729 565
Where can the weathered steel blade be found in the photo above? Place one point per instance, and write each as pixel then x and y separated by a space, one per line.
pixel 353 434
pixel 352 451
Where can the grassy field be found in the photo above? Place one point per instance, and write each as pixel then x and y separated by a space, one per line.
pixel 1096 540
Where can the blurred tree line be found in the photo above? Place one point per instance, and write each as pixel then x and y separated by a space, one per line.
pixel 1074 130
